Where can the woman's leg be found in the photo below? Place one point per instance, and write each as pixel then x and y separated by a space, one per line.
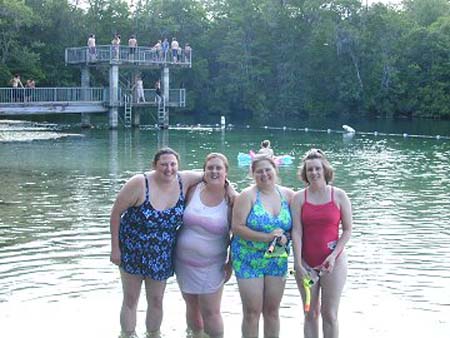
pixel 273 292
pixel 311 325
pixel 332 285
pixel 252 293
pixel 131 285
pixel 193 316
pixel 154 293
pixel 210 310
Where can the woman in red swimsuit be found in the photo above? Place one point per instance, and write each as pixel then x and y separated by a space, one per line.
pixel 317 213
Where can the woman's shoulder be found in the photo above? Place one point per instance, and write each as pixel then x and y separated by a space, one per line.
pixel 299 196
pixel 339 194
pixel 288 193
pixel 248 193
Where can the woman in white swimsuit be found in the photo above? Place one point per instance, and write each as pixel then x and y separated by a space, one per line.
pixel 201 264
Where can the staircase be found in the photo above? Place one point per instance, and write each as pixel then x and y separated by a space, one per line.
pixel 128 105
pixel 163 114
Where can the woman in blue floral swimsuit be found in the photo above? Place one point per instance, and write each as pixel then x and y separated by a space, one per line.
pixel 144 220
pixel 260 214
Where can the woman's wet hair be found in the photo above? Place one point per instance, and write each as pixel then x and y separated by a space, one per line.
pixel 165 151
pixel 262 157
pixel 265 144
pixel 318 154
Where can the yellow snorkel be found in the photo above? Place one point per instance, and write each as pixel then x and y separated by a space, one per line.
pixel 307 283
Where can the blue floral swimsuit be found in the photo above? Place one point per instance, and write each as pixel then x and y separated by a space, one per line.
pixel 248 256
pixel 147 237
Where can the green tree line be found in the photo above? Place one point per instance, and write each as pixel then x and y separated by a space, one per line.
pixel 256 58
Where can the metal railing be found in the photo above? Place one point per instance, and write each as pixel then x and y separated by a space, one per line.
pixel 53 94
pixel 125 54
pixel 177 97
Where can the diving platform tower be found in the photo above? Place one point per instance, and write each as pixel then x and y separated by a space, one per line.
pixel 123 58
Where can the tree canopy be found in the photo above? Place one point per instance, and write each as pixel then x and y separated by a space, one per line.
pixel 256 57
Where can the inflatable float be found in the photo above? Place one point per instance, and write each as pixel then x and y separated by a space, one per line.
pixel 245 159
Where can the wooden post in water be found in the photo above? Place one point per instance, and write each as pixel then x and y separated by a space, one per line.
pixel 113 96
pixel 85 84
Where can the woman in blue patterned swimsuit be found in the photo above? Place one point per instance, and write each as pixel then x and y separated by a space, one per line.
pixel 260 214
pixel 144 219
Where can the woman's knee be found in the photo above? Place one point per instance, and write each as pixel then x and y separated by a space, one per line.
pixel 271 312
pixel 130 299
pixel 312 316
pixel 329 316
pixel 252 314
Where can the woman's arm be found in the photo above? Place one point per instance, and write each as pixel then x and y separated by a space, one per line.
pixel 297 232
pixel 347 223
pixel 128 196
pixel 190 178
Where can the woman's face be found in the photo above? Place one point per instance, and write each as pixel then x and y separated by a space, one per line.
pixel 215 171
pixel 167 166
pixel 264 172
pixel 314 170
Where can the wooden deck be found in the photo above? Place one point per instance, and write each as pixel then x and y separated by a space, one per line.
pixel 73 100
pixel 142 57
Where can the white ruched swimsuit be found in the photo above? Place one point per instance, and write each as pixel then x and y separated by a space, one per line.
pixel 201 248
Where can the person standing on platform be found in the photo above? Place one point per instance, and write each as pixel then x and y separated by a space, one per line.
pixel 115 42
pixel 201 264
pixel 16 91
pixel 91 48
pixel 132 45
pixel 145 217
pixel 165 48
pixel 318 211
pixel 174 46
pixel 187 53
pixel 157 49
pixel 139 89
pixel 29 89
pixel 261 220
pixel 158 93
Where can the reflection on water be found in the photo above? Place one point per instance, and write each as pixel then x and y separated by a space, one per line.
pixel 25 131
pixel 54 236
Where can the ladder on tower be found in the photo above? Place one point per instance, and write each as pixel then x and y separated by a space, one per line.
pixel 128 106
pixel 163 114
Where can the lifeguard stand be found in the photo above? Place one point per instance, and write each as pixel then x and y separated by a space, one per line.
pixel 116 57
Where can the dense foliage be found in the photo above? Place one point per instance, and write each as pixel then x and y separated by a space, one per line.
pixel 256 57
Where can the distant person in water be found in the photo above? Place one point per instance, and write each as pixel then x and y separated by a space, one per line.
pixel 266 149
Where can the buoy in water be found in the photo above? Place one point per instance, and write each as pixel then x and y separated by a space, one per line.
pixel 348 129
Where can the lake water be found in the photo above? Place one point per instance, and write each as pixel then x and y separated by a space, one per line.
pixel 58 185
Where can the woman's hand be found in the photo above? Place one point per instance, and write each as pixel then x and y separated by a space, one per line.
pixel 328 264
pixel 115 256
pixel 278 232
pixel 284 239
pixel 228 271
pixel 301 272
